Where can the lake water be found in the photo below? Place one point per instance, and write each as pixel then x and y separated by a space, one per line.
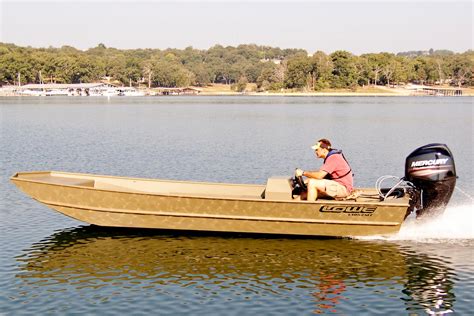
pixel 51 264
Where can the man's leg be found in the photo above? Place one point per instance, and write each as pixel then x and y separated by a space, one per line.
pixel 314 187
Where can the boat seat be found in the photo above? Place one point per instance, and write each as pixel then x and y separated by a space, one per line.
pixel 279 188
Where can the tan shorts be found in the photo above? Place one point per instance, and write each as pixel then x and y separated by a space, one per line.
pixel 335 189
pixel 331 188
pixel 328 188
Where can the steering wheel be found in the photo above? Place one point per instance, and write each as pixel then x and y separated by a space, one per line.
pixel 299 181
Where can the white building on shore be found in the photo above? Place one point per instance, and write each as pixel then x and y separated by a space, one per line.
pixel 73 89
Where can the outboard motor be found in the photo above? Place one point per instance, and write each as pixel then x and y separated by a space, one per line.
pixel 431 170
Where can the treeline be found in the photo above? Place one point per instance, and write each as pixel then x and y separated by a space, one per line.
pixel 268 67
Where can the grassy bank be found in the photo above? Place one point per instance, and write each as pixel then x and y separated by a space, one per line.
pixel 223 89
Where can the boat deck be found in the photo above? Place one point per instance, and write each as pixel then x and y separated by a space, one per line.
pixel 178 188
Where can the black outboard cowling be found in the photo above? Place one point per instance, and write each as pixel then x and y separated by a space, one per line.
pixel 431 170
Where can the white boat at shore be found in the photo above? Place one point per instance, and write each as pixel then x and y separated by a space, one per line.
pixel 33 92
pixel 104 92
pixel 75 89
pixel 130 92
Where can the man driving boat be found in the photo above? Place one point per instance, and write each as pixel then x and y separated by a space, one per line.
pixel 334 179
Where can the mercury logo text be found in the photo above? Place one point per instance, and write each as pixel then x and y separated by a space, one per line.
pixel 432 162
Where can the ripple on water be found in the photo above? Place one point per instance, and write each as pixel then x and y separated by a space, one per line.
pixel 47 268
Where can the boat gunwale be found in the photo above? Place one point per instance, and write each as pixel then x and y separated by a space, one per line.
pixel 129 178
pixel 176 195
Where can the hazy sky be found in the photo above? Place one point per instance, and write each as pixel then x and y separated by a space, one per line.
pixel 356 26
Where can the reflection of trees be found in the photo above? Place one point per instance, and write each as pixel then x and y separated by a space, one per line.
pixel 327 272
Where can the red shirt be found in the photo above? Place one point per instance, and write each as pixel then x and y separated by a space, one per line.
pixel 336 166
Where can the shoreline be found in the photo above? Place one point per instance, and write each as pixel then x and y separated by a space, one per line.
pixel 368 91
pixel 294 95
pixel 224 90
pixel 305 94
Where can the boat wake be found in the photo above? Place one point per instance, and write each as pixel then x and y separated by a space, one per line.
pixel 456 223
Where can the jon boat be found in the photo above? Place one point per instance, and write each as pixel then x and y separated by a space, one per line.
pixel 274 208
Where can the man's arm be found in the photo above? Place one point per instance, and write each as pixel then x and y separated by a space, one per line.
pixel 320 174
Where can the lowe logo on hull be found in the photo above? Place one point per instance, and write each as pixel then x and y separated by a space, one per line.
pixel 348 209
pixel 431 162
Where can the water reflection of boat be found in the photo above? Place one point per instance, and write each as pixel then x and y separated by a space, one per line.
pixel 328 270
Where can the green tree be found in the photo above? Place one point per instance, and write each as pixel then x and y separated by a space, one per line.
pixel 390 66
pixel 344 74
pixel 298 72
pixel 321 69
pixel 167 72
pixel 241 85
pixel 201 72
pixel 15 66
pixel 462 68
pixel 400 73
pixel 271 77
pixel 418 73
pixel 219 64
pixel 377 63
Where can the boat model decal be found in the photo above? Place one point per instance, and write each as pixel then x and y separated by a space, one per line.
pixel 350 210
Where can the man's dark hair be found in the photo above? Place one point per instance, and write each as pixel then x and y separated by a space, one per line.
pixel 325 143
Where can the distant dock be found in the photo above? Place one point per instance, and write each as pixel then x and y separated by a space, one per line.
pixel 437 91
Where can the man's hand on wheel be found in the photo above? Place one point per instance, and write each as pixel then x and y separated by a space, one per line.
pixel 299 172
